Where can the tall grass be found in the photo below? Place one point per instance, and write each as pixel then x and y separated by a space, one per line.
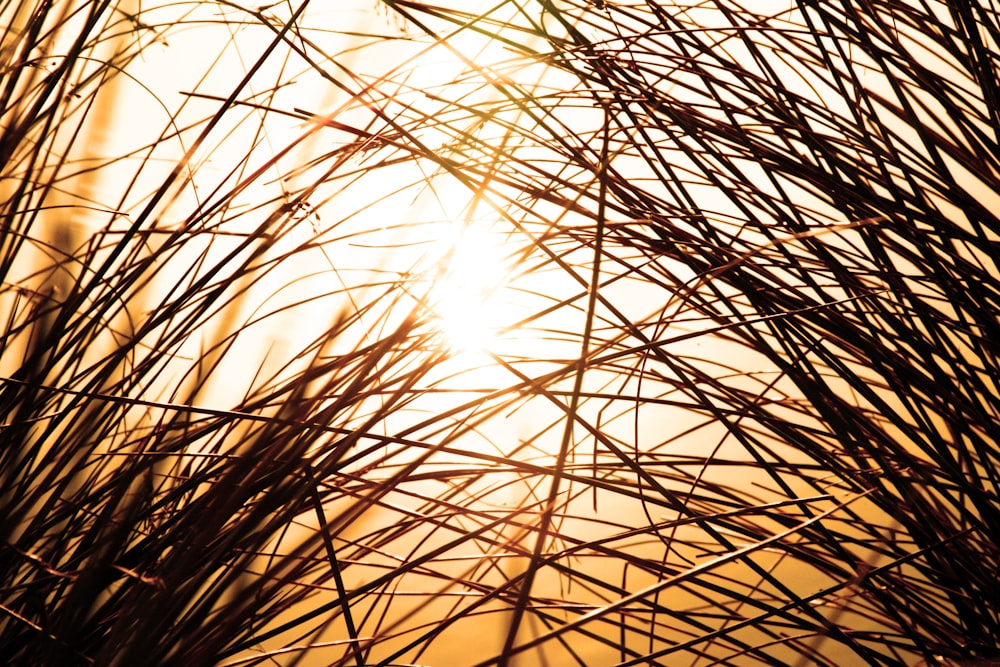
pixel 539 333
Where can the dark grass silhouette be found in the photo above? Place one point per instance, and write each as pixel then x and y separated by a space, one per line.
pixel 741 402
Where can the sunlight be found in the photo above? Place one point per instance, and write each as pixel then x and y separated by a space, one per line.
pixel 467 294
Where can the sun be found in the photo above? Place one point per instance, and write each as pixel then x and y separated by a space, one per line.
pixel 467 296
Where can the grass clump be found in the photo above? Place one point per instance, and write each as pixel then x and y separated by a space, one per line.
pixel 587 333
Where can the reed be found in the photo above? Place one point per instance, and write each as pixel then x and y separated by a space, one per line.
pixel 541 333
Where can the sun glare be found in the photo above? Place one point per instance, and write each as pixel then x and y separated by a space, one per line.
pixel 467 295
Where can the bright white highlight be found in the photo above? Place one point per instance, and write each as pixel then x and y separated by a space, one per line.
pixel 467 294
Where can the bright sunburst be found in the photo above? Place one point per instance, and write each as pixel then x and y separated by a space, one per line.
pixel 467 296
